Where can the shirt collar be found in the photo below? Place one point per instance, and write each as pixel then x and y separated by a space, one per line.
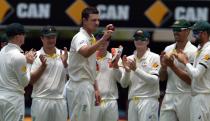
pixel 85 32
pixel 204 46
pixel 55 55
pixel 143 57
pixel 187 45
pixel 15 46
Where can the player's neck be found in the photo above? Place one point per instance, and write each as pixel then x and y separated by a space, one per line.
pixel 88 31
pixel 141 52
pixel 181 45
pixel 49 51
pixel 203 43
pixel 16 42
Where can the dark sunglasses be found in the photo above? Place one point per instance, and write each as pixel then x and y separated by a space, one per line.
pixel 179 29
pixel 196 32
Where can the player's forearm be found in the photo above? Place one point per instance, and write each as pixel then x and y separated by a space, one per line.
pixel 183 75
pixel 89 50
pixel 149 78
pixel 124 81
pixel 195 72
pixel 163 74
pixel 37 74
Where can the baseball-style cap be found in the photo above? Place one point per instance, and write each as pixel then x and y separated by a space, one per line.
pixel 48 31
pixel 181 24
pixel 141 35
pixel 3 38
pixel 201 26
pixel 15 29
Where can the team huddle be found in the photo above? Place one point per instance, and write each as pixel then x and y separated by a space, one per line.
pixel 82 83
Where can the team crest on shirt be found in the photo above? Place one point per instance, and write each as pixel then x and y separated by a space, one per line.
pixel 206 57
pixel 23 69
pixel 155 65
pixel 144 64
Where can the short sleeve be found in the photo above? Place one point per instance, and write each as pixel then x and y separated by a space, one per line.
pixel 79 42
pixel 205 59
pixel 20 69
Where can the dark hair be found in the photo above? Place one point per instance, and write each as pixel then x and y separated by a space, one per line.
pixel 87 11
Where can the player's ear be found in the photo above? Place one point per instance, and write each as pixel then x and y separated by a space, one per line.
pixel 84 20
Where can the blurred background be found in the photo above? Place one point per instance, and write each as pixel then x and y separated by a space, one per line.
pixel 155 16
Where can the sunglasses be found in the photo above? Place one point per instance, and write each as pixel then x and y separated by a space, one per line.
pixel 179 29
pixel 196 32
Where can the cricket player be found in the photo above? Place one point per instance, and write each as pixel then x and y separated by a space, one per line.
pixel 82 67
pixel 199 72
pixel 141 75
pixel 108 74
pixel 176 102
pixel 14 74
pixel 48 76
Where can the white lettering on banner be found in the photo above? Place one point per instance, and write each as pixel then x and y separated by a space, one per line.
pixel 113 12
pixel 33 10
pixel 191 13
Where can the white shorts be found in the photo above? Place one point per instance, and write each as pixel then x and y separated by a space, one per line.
pixel 176 107
pixel 107 111
pixel 200 107
pixel 7 111
pixel 49 109
pixel 143 109
pixel 17 103
pixel 80 99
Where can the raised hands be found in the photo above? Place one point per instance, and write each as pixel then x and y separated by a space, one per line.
pixel 167 59
pixel 108 32
pixel 30 56
pixel 125 63
pixel 181 57
pixel 129 64
pixel 43 60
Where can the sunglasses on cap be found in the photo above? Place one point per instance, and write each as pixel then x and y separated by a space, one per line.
pixel 179 29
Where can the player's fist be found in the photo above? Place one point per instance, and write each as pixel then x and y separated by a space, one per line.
pixel 107 35
pixel 110 27
pixel 43 59
pixel 30 56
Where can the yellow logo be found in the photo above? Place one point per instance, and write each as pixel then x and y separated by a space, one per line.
pixel 158 13
pixel 206 57
pixel 155 65
pixel 4 10
pixel 23 69
pixel 74 11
